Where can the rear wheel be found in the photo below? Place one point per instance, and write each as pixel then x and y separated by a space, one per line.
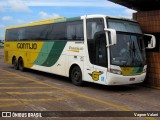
pixel 15 63
pixel 76 76
pixel 21 64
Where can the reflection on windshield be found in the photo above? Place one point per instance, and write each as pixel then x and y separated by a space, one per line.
pixel 129 51
pixel 124 26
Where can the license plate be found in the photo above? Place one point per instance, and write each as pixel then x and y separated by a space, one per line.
pixel 132 79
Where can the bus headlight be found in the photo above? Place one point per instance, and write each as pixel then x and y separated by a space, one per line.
pixel 116 71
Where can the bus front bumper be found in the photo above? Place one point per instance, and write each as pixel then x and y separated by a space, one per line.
pixel 115 79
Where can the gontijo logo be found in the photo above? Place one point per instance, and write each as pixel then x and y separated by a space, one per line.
pixel 26 45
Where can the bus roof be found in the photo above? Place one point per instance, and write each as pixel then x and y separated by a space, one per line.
pixel 41 22
pixel 104 16
pixel 63 19
pixel 47 21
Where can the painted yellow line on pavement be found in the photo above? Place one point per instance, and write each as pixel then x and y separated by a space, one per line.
pixel 25 87
pixel 12 78
pixel 37 93
pixel 8 77
pixel 18 83
pixel 31 100
pixel 27 103
pixel 83 96
pixel 5 75
pixel 8 83
pixel 12 105
pixel 80 95
pixel 2 76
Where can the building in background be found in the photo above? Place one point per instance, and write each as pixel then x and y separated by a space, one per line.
pixel 148 15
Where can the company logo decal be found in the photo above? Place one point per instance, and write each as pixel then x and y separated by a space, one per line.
pixel 75 49
pixel 95 75
pixel 27 45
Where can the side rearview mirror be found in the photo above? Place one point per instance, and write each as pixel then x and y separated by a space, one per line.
pixel 151 41
pixel 113 35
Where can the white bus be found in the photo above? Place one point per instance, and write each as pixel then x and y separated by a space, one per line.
pixel 94 48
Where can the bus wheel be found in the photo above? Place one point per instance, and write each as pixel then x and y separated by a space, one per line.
pixel 76 76
pixel 21 64
pixel 15 63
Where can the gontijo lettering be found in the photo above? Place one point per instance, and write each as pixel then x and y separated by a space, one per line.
pixel 27 45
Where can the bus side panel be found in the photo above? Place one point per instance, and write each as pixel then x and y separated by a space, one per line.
pixel 11 51
pixel 22 49
pixel 94 73
pixel 60 66
pixel 51 58
pixel 7 53
pixel 88 68
pixel 75 52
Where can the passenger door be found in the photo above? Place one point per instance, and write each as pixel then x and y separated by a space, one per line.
pixel 97 51
pixel 100 61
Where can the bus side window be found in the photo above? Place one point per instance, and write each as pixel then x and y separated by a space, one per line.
pixel 58 31
pixel 21 34
pixel 75 30
pixel 12 35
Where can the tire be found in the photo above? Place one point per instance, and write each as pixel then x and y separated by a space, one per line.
pixel 76 76
pixel 21 64
pixel 15 63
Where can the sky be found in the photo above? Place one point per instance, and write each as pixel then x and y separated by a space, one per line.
pixel 16 12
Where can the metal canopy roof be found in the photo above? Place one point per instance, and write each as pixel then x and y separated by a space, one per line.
pixel 139 5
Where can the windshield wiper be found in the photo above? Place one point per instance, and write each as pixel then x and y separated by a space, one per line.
pixel 136 61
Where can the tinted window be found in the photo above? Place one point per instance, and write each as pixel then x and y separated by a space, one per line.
pixel 57 31
pixel 12 34
pixel 38 32
pixel 75 30
pixel 93 26
pixel 29 33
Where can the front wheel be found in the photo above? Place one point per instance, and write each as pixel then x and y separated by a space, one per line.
pixel 76 76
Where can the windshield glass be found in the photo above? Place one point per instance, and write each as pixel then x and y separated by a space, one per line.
pixel 124 26
pixel 130 48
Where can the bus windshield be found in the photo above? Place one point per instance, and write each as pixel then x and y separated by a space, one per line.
pixel 130 48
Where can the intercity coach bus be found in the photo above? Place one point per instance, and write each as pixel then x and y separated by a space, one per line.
pixel 94 48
